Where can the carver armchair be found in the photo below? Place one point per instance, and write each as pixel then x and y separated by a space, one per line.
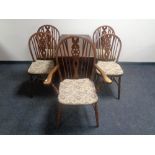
pixel 75 57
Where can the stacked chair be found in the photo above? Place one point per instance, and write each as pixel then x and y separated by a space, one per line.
pixel 42 46
pixel 108 48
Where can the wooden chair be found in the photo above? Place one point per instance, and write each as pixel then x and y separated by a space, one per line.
pixel 109 46
pixel 52 30
pixel 42 48
pixel 75 57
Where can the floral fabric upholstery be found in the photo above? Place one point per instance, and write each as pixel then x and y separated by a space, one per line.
pixel 41 67
pixel 110 68
pixel 77 92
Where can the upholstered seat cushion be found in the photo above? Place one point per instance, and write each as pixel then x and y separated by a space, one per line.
pixel 110 68
pixel 77 92
pixel 41 67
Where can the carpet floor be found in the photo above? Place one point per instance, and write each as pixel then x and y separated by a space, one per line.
pixel 134 113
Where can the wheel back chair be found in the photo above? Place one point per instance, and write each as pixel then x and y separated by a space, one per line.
pixel 109 46
pixel 42 47
pixel 75 58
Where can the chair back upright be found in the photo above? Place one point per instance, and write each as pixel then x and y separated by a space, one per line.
pixel 108 47
pixel 76 56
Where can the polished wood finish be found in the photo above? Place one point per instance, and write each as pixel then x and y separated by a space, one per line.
pixel 49 79
pixel 102 30
pixel 42 46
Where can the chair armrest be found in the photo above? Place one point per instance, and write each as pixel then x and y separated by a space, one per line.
pixel 104 76
pixel 49 78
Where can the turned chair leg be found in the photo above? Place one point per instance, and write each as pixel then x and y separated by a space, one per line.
pixel 96 114
pixel 59 115
pixel 119 87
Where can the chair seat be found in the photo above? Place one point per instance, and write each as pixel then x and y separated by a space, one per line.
pixel 110 68
pixel 77 92
pixel 41 67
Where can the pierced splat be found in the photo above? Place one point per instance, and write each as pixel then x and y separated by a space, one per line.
pixel 53 31
pixel 102 30
pixel 106 45
pixel 41 39
pixel 75 53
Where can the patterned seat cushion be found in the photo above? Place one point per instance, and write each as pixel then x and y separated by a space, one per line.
pixel 41 67
pixel 77 92
pixel 110 68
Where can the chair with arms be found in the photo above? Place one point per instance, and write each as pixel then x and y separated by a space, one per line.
pixel 109 47
pixel 42 48
pixel 75 57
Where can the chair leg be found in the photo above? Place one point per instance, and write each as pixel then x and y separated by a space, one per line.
pixel 59 115
pixel 96 114
pixel 119 87
pixel 97 78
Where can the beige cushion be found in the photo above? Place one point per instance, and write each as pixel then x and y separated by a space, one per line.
pixel 41 67
pixel 77 92
pixel 110 68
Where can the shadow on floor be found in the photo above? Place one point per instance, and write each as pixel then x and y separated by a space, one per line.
pixel 37 89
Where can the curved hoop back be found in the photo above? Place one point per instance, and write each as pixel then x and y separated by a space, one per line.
pixel 42 46
pixel 75 57
pixel 50 29
pixel 102 30
pixel 108 47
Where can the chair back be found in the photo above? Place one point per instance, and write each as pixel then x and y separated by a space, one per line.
pixel 42 46
pixel 108 47
pixel 75 56
pixel 102 30
pixel 52 30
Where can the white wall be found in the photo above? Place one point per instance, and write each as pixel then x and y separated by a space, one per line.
pixel 138 36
